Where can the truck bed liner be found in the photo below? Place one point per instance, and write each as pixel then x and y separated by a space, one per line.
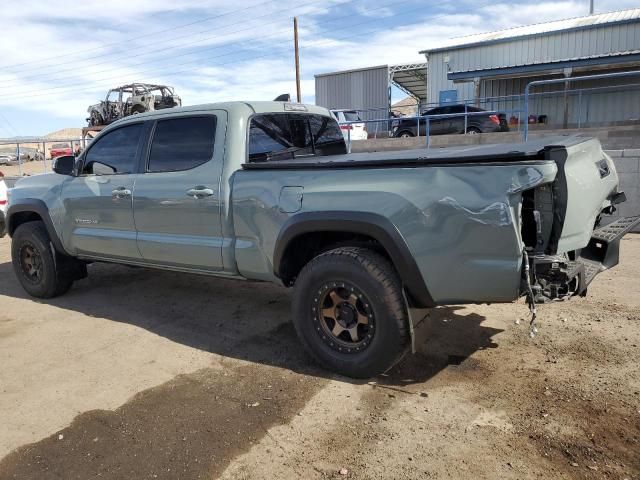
pixel 533 151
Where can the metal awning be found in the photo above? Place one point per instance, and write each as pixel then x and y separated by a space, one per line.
pixel 411 78
pixel 595 61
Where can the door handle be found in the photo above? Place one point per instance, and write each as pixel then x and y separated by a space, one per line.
pixel 121 192
pixel 200 192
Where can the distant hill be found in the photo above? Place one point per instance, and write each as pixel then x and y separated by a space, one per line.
pixel 407 107
pixel 65 133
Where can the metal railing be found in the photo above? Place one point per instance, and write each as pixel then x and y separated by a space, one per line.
pixel 421 120
pixel 586 108
pixel 567 80
pixel 35 149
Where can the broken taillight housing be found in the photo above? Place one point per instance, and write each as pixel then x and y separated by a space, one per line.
pixel 494 119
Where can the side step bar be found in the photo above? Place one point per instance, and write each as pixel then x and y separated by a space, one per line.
pixel 616 230
pixel 603 250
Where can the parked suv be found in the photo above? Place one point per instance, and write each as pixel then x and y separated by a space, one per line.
pixel 265 191
pixel 131 100
pixel 353 131
pixel 449 125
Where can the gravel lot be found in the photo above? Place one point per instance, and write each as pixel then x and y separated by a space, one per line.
pixel 144 374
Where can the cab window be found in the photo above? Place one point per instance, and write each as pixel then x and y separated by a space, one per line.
pixel 114 152
pixel 182 143
pixel 284 136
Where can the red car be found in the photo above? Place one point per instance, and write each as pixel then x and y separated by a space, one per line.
pixel 60 150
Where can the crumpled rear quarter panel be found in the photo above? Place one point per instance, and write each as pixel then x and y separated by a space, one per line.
pixel 461 223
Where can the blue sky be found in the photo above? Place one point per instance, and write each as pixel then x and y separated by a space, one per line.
pixel 59 56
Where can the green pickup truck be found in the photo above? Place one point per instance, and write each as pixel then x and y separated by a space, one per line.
pixel 266 191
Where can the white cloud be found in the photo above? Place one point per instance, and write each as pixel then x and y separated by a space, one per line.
pixel 74 51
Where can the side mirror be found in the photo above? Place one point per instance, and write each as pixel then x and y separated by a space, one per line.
pixel 64 165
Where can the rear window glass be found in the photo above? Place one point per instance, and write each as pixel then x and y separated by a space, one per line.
pixel 283 136
pixel 182 143
pixel 352 116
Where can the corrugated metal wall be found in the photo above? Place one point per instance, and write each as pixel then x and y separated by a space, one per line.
pixel 594 107
pixel 541 49
pixel 359 89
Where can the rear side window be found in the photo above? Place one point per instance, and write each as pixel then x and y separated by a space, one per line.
pixel 283 136
pixel 114 152
pixel 327 137
pixel 352 116
pixel 182 143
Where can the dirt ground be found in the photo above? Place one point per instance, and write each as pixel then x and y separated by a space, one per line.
pixel 139 374
pixel 29 168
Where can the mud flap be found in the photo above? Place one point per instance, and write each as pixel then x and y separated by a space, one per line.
pixel 416 317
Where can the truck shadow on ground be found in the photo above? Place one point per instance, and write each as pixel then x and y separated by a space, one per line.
pixel 246 320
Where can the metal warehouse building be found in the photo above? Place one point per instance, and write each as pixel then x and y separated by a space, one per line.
pixel 488 67
pixel 369 89
pixel 492 70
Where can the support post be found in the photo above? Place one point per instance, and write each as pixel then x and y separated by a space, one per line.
pixel 426 118
pixel 476 91
pixel 565 120
pixel 19 159
pixel 295 41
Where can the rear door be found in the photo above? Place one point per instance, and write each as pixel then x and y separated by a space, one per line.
pixel 437 126
pixel 98 202
pixel 177 205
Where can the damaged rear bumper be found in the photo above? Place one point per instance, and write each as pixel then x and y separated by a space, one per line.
pixel 555 277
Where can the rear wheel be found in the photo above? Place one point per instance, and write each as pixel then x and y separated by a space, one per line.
pixel 349 312
pixel 473 130
pixel 405 134
pixel 41 271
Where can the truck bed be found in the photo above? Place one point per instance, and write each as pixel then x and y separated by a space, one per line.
pixel 532 151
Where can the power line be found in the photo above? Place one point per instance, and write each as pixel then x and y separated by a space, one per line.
pixel 26 93
pixel 202 60
pixel 6 120
pixel 146 53
pixel 128 40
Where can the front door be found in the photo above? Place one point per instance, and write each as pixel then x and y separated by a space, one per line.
pixel 98 202
pixel 177 204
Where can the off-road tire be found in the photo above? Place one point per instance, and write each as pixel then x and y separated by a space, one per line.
pixel 405 134
pixel 375 277
pixel 57 271
pixel 137 109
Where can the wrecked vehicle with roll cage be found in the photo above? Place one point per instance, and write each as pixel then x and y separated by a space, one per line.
pixel 132 99
pixel 266 191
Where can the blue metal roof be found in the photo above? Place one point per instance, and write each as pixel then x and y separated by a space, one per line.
pixel 539 29
pixel 616 58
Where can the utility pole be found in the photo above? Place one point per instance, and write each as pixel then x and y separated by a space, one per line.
pixel 590 7
pixel 295 41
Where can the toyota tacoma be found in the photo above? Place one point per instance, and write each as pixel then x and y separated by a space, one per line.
pixel 265 191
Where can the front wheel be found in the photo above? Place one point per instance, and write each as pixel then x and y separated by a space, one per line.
pixel 349 312
pixel 41 271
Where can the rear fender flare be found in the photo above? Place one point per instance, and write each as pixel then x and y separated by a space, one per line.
pixel 371 224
